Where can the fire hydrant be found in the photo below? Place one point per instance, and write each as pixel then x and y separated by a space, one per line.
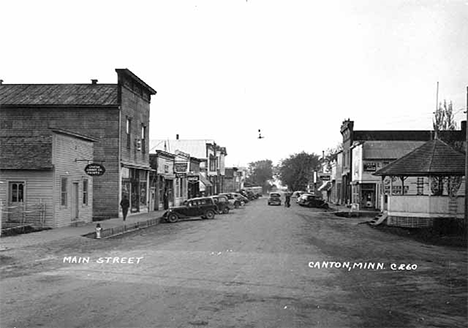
pixel 98 231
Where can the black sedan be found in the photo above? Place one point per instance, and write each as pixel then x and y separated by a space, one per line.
pixel 202 206
pixel 309 200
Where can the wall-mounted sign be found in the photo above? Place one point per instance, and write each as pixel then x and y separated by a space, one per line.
pixel 180 167
pixel 193 178
pixel 95 169
pixel 370 166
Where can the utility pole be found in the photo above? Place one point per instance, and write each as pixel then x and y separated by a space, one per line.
pixel 466 162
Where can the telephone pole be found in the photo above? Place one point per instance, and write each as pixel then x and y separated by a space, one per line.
pixel 466 161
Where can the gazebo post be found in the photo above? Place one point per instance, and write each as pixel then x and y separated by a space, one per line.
pixel 402 178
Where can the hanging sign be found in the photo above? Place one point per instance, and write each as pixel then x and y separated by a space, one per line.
pixel 95 169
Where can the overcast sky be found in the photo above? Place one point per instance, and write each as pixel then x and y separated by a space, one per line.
pixel 225 68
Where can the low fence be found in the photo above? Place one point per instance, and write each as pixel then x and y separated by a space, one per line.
pixel 32 214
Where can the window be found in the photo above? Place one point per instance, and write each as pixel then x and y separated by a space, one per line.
pixel 85 192
pixel 213 163
pixel 143 139
pixel 16 192
pixel 128 130
pixel 64 191
pixel 420 186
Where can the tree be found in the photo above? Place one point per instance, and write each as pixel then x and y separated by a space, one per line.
pixel 260 173
pixel 331 155
pixel 444 120
pixel 297 170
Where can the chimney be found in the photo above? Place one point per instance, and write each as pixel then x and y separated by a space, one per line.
pixel 177 136
pixel 94 81
pixel 463 126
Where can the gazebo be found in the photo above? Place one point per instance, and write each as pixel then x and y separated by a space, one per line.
pixel 425 184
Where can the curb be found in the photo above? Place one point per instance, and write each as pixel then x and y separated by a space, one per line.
pixel 120 230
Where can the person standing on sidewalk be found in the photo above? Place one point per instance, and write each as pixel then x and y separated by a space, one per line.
pixel 125 204
pixel 287 203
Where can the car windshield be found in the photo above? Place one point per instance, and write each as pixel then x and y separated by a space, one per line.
pixel 275 195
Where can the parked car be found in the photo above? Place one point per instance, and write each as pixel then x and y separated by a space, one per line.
pixel 233 201
pixel 310 200
pixel 222 204
pixel 297 194
pixel 274 198
pixel 201 206
pixel 249 194
pixel 242 199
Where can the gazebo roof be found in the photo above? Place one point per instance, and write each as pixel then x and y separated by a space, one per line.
pixel 434 158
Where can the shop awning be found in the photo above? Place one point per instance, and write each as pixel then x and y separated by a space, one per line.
pixel 205 181
pixel 325 186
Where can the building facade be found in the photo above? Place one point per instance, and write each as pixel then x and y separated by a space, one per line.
pixel 43 181
pixel 116 115
pixel 365 151
pixel 211 158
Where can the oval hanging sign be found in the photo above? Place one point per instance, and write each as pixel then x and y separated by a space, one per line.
pixel 95 169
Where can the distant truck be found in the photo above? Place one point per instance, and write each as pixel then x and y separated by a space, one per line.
pixel 257 190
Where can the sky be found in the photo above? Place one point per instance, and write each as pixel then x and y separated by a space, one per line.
pixel 223 69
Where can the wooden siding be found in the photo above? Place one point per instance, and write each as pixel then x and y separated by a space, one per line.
pixel 99 123
pixel 134 107
pixel 71 156
pixel 38 190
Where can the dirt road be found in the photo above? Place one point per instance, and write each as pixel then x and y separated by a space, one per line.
pixel 259 266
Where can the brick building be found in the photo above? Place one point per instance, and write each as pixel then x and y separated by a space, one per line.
pixel 115 115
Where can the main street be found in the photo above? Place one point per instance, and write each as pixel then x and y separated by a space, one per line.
pixel 258 266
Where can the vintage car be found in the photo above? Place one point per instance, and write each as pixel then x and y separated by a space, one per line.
pixel 242 199
pixel 203 207
pixel 274 198
pixel 309 200
pixel 222 203
pixel 233 201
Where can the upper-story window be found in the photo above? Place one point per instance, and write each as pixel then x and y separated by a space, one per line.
pixel 143 138
pixel 213 163
pixel 128 131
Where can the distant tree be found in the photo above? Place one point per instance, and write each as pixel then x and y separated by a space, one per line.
pixel 444 120
pixel 260 173
pixel 297 170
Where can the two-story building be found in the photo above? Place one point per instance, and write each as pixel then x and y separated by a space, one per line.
pixel 366 151
pixel 116 116
pixel 211 160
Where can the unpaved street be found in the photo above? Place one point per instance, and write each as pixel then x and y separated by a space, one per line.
pixel 259 266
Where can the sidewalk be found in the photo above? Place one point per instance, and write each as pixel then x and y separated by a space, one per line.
pixel 344 211
pixel 41 237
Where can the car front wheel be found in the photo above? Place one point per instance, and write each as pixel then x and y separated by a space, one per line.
pixel 172 218
pixel 209 215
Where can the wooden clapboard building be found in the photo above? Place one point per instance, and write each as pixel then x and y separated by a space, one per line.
pixel 114 116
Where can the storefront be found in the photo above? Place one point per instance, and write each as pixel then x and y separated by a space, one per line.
pixel 135 184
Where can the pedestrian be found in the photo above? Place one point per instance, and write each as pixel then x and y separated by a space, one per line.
pixel 287 203
pixel 125 204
